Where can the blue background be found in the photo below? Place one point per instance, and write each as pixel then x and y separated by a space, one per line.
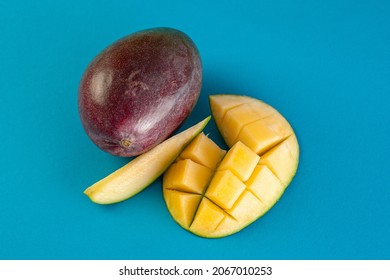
pixel 325 65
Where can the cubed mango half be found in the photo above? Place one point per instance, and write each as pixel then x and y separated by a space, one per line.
pixel 213 193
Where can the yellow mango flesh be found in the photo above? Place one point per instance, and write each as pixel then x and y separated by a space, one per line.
pixel 225 189
pixel 182 205
pixel 203 151
pixel 265 185
pixel 240 160
pixel 213 193
pixel 237 117
pixel 260 127
pixel 190 176
pixel 140 172
pixel 283 159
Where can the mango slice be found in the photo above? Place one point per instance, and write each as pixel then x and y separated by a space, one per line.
pixel 213 193
pixel 143 170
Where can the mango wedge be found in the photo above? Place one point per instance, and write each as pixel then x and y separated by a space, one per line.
pixel 143 170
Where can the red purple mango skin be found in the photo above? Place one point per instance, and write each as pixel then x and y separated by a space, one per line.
pixel 139 90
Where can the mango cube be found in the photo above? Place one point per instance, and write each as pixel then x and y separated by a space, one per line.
pixel 190 176
pixel 248 208
pixel 220 104
pixel 265 185
pixel 203 151
pixel 235 119
pixel 265 133
pixel 182 205
pixel 207 217
pixel 282 160
pixel 225 188
pixel 240 160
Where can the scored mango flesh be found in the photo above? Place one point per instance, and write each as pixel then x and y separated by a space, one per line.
pixel 214 193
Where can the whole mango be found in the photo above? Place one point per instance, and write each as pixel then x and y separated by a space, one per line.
pixel 138 91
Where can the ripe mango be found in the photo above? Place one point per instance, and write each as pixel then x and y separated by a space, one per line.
pixel 213 193
pixel 139 90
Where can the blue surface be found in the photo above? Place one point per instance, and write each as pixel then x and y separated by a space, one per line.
pixel 325 65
